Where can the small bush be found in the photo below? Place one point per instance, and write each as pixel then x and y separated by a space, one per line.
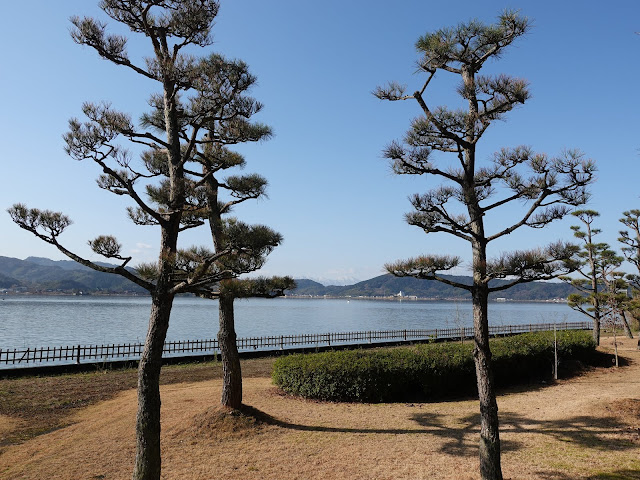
pixel 424 371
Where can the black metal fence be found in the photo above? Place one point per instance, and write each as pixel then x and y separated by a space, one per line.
pixel 27 357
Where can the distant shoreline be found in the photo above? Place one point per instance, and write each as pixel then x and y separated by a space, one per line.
pixel 300 297
pixel 419 299
pixel 69 294
pixel 41 276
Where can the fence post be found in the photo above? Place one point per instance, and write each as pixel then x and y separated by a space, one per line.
pixel 281 342
pixel 78 356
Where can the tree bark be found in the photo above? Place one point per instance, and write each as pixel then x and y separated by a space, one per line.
pixel 596 328
pixel 490 466
pixel 231 371
pixel 489 452
pixel 632 319
pixel 625 323
pixel 148 463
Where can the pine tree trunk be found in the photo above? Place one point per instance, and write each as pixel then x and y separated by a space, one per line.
pixel 148 463
pixel 490 468
pixel 625 323
pixel 596 329
pixel 231 372
pixel 490 465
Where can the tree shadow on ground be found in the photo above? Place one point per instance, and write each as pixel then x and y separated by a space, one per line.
pixel 460 435
pixel 590 432
pixel 608 359
pixel 612 475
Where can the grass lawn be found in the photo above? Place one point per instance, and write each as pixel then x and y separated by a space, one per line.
pixel 81 426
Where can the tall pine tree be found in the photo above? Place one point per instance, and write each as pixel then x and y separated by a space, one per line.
pixel 163 191
pixel 224 90
pixel 552 186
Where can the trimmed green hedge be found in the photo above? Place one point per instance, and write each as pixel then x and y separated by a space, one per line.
pixel 423 371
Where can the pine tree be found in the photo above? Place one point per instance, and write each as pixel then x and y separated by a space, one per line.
pixel 590 258
pixel 631 241
pixel 550 189
pixel 228 82
pixel 172 132
pixel 614 296
pixel 598 265
pixel 631 251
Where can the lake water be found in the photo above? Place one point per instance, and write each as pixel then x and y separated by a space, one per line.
pixel 34 321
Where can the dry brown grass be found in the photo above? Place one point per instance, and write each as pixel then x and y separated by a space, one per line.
pixel 37 405
pixel 582 428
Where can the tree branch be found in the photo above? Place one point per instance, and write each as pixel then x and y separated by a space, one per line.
pixel 530 265
pixel 54 223
pixel 426 268
pixel 430 118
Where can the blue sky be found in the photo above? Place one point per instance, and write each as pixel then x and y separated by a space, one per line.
pixel 331 194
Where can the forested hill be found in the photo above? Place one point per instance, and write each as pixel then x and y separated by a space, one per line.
pixel 35 274
pixel 388 285
pixel 43 275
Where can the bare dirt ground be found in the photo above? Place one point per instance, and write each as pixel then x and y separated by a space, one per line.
pixel 587 427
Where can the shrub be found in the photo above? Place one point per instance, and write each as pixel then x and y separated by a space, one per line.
pixel 424 371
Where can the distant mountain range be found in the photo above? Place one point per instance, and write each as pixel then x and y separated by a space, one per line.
pixel 42 275
pixel 388 285
pixel 36 274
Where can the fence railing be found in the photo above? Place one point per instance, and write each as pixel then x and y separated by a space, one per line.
pixel 23 357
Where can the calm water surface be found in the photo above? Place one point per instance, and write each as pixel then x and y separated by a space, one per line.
pixel 32 321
